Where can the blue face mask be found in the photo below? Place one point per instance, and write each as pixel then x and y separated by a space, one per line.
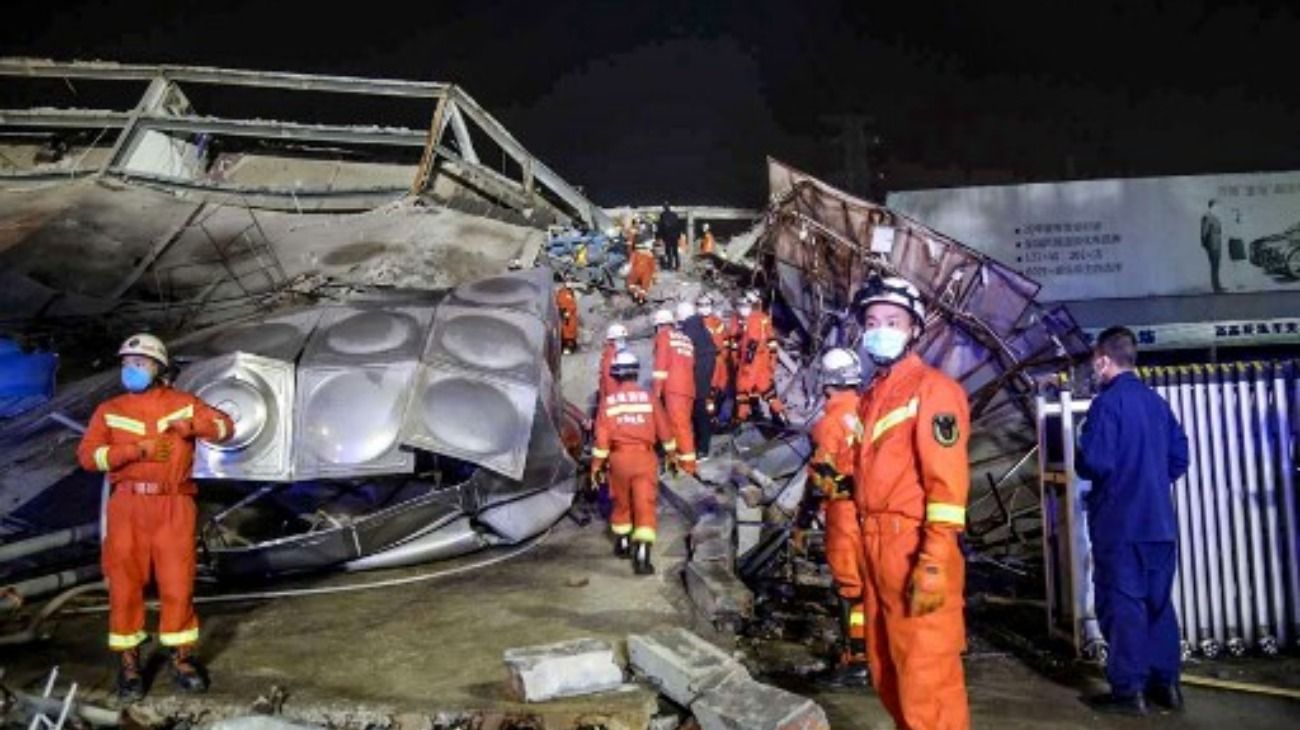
pixel 885 344
pixel 136 379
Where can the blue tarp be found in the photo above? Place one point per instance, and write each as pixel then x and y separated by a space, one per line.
pixel 26 379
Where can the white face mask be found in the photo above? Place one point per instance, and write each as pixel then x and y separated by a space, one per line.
pixel 885 345
pixel 744 310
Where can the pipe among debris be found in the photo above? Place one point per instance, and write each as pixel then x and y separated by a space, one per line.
pixel 28 635
pixel 49 541
pixel 53 706
pixel 15 594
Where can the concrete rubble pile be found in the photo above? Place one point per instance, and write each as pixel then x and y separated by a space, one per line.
pixel 696 676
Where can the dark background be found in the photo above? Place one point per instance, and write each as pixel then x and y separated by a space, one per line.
pixel 639 102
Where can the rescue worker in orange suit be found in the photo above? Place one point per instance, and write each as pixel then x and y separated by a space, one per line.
pixel 911 485
pixel 717 330
pixel 674 387
pixel 756 369
pixel 144 440
pixel 707 242
pixel 627 427
pixel 567 302
pixel 836 437
pixel 615 342
pixel 641 271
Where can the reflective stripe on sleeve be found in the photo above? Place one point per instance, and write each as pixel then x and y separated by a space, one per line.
pixel 644 534
pixel 686 457
pixel 101 458
pixel 600 453
pixel 660 375
pixel 670 445
pixel 177 415
pixel 221 430
pixel 621 529
pixel 122 423
pixel 949 513
pixel 894 418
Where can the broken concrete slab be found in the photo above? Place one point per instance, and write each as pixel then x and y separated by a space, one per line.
pixel 718 593
pixel 710 538
pixel 681 664
pixel 689 496
pixel 564 669
pixel 740 703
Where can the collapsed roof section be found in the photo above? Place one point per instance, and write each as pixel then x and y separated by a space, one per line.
pixel 161 141
pixel 148 215
pixel 985 329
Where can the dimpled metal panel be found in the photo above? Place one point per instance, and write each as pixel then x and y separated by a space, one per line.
pixel 258 395
pixel 349 418
pixel 504 342
pixel 470 415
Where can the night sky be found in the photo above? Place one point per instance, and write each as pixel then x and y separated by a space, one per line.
pixel 645 101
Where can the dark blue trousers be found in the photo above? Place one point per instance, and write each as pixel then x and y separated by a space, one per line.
pixel 1135 608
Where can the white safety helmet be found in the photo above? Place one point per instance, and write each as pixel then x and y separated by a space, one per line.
pixel 616 331
pixel 841 368
pixel 624 366
pixel 685 310
pixel 661 317
pixel 752 297
pixel 145 345
pixel 706 227
pixel 893 290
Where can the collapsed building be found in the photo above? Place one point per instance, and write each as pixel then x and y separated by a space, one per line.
pixel 374 305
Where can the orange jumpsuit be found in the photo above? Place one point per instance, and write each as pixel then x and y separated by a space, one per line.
pixel 836 437
pixel 641 274
pixel 756 367
pixel 151 513
pixel 567 303
pixel 674 387
pixel 627 426
pixel 707 244
pixel 912 483
pixel 607 381
pixel 718 331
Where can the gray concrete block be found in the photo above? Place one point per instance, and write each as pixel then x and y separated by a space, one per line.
pixel 717 592
pixel 680 664
pixel 689 496
pixel 566 669
pixel 740 703
pixel 711 538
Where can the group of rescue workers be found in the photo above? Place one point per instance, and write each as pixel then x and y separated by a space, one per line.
pixel 889 464
pixel 700 361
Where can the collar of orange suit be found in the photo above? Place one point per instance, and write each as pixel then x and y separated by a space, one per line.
pixel 909 363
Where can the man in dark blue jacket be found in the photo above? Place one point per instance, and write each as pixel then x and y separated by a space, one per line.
pixel 1132 449
pixel 692 325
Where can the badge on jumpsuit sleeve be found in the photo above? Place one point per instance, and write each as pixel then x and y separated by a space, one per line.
pixel 946 430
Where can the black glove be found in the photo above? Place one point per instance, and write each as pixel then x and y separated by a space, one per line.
pixel 751 350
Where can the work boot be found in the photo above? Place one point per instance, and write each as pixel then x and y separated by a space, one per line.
pixel 1113 704
pixel 623 547
pixel 1167 696
pixel 779 419
pixel 641 559
pixel 189 674
pixel 130 677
